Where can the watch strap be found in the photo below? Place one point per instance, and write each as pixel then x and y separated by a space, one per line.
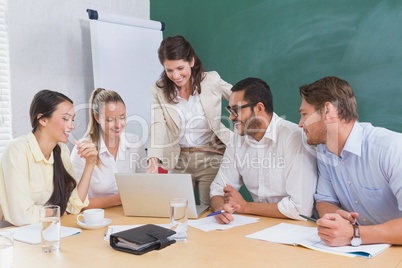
pixel 356 231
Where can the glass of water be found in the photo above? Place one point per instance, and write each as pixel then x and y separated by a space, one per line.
pixel 6 249
pixel 50 228
pixel 178 218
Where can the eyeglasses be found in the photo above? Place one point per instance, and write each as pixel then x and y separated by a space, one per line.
pixel 233 111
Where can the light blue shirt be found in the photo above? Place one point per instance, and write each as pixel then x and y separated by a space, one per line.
pixel 367 178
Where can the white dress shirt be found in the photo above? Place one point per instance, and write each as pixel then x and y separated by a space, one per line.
pixel 131 158
pixel 194 130
pixel 165 120
pixel 280 168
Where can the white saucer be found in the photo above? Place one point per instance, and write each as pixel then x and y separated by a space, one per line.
pixel 105 223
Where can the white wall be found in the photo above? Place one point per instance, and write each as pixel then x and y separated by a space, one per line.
pixel 50 48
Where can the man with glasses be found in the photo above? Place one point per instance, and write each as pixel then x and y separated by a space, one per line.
pixel 268 156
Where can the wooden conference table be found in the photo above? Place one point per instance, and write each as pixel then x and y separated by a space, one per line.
pixel 228 248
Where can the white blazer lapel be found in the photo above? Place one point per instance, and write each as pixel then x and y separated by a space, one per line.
pixel 212 107
pixel 171 111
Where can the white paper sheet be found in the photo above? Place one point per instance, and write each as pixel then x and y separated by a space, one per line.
pixel 292 234
pixel 285 233
pixel 210 223
pixel 31 233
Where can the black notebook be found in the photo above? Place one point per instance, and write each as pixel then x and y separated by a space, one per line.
pixel 142 239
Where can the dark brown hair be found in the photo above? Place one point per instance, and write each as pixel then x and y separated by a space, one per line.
pixel 44 103
pixel 178 48
pixel 256 90
pixel 335 90
pixel 99 98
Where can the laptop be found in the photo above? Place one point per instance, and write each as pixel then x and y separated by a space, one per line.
pixel 147 195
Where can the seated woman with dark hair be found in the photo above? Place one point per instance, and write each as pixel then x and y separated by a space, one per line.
pixel 36 170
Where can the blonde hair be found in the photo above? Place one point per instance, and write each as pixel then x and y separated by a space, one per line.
pixel 97 101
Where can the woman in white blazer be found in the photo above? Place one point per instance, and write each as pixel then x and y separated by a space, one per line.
pixel 186 134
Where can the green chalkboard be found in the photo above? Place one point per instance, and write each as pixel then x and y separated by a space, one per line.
pixel 293 42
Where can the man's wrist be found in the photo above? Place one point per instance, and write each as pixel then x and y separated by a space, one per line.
pixel 356 239
pixel 243 208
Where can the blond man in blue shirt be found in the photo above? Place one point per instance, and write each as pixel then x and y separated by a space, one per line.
pixel 359 166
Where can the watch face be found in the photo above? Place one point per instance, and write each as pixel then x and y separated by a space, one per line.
pixel 356 241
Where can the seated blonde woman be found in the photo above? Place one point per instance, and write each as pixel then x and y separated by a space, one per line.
pixel 119 152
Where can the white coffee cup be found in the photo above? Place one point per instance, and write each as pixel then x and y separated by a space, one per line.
pixel 92 216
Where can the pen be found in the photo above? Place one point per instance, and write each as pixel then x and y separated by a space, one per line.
pixel 308 218
pixel 219 212
pixel 216 213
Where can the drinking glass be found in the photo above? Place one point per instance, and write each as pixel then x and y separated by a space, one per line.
pixel 50 228
pixel 178 218
pixel 6 249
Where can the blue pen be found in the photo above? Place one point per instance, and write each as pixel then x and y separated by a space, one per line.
pixel 218 212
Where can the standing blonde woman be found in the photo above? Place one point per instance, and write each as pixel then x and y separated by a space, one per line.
pixel 119 152
pixel 36 170
pixel 186 132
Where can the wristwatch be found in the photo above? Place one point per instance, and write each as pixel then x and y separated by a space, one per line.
pixel 356 240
